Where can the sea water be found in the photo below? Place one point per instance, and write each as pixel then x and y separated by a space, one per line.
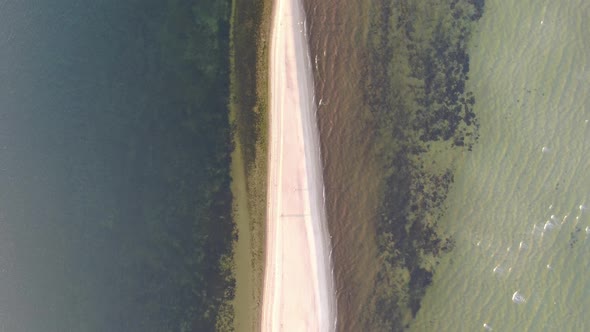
pixel 519 209
pixel 106 154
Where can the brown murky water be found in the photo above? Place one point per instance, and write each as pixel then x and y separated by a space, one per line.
pixel 337 29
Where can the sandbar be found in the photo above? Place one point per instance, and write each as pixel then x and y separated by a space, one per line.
pixel 298 283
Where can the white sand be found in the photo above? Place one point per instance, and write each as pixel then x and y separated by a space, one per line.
pixel 298 286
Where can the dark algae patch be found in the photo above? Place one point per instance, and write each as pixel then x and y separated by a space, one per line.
pixel 193 223
pixel 181 263
pixel 173 210
pixel 417 68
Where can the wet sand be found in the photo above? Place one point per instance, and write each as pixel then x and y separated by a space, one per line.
pixel 298 287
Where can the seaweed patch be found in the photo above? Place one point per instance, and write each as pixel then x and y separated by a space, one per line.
pixel 417 67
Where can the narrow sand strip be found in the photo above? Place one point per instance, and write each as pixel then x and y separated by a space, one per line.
pixel 298 286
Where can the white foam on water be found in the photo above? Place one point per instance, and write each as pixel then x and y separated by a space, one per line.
pixel 518 298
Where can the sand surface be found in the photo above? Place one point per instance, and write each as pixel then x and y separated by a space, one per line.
pixel 298 286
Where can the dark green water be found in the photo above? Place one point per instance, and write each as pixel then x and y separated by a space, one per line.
pixel 114 156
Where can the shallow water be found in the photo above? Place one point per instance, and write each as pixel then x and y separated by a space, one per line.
pixel 519 206
pixel 335 30
pixel 517 263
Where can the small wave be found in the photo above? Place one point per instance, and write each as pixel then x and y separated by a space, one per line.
pixel 518 298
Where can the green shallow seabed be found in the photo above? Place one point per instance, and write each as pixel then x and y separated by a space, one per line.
pixel 424 127
pixel 518 209
pixel 249 99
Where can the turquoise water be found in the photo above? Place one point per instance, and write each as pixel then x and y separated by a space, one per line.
pixel 520 205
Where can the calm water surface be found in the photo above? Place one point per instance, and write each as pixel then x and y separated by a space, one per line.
pixel 95 227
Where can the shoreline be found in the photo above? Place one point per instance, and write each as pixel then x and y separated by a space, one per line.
pixel 298 283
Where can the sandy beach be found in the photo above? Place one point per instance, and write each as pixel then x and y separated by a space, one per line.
pixel 298 286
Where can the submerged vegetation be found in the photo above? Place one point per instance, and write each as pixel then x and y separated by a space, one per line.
pixel 417 69
pixel 163 249
pixel 177 172
pixel 250 35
